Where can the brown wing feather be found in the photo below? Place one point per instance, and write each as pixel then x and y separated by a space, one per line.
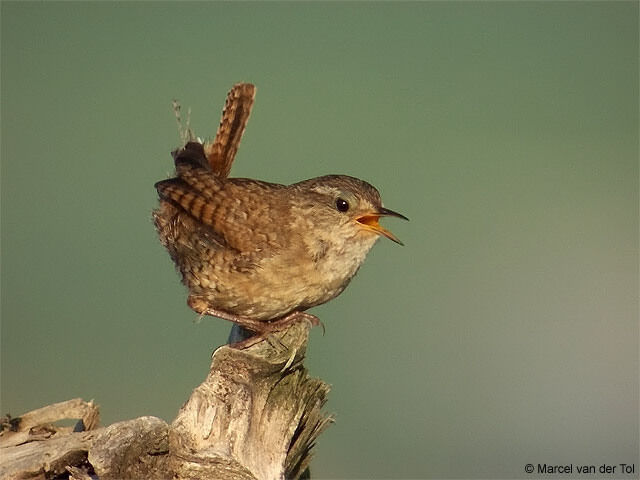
pixel 232 210
pixel 191 201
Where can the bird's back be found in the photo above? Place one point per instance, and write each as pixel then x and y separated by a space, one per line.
pixel 211 229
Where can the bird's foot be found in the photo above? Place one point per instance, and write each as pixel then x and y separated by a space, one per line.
pixel 290 319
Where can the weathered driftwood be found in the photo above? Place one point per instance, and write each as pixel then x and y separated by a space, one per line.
pixel 256 416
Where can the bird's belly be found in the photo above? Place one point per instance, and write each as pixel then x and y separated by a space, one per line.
pixel 275 286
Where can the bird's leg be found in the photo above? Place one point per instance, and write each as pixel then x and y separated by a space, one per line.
pixel 252 324
pixel 202 308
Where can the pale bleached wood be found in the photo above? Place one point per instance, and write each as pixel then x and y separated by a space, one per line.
pixel 76 408
pixel 77 473
pixel 131 449
pixel 257 415
pixel 44 458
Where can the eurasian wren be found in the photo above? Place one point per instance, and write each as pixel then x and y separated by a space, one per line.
pixel 258 253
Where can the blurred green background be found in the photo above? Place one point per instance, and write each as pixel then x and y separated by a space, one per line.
pixel 505 332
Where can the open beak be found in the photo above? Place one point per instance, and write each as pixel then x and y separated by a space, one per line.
pixel 370 222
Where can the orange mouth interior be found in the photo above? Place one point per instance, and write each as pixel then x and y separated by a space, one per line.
pixel 371 222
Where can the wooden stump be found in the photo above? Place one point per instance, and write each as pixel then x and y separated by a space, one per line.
pixel 257 415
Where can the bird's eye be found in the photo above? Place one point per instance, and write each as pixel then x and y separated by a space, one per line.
pixel 342 205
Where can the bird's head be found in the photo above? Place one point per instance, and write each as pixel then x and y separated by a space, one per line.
pixel 346 207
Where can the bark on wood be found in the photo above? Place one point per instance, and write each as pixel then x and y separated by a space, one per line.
pixel 257 415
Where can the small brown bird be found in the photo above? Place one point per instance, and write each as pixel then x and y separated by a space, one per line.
pixel 258 253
